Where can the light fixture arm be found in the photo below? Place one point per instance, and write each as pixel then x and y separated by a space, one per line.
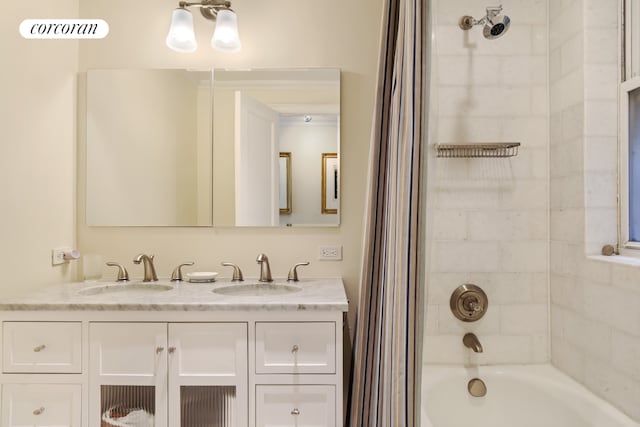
pixel 208 8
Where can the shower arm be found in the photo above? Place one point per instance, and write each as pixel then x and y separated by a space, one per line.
pixel 467 22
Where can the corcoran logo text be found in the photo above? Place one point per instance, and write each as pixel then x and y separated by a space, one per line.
pixel 64 29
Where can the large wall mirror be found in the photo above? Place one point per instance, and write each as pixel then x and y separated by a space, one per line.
pixel 228 148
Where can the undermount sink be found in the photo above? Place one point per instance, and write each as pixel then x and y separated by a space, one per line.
pixel 257 289
pixel 129 289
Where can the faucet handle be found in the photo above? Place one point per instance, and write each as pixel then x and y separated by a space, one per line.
pixel 123 274
pixel 293 273
pixel 176 276
pixel 237 273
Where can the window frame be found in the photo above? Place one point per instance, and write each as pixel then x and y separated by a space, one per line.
pixel 623 197
pixel 630 39
pixel 630 65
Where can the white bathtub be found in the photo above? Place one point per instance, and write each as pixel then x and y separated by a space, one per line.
pixel 517 396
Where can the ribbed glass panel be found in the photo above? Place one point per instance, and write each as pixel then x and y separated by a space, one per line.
pixel 207 406
pixel 127 405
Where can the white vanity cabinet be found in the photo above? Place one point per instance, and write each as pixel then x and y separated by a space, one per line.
pixel 168 371
pixel 180 358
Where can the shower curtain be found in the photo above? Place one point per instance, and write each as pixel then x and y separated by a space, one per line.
pixel 386 360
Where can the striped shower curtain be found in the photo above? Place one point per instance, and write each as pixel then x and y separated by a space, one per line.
pixel 385 373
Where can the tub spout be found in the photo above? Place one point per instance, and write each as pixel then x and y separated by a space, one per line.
pixel 471 341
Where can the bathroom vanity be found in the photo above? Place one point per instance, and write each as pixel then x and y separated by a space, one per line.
pixel 104 354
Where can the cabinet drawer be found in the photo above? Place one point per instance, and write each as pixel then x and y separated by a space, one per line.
pixel 296 348
pixel 299 406
pixel 42 347
pixel 41 405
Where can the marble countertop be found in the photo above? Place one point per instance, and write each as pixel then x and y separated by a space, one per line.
pixel 313 294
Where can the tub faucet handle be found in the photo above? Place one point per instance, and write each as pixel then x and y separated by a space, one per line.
pixel 176 276
pixel 123 274
pixel 237 273
pixel 293 273
pixel 472 304
pixel 468 302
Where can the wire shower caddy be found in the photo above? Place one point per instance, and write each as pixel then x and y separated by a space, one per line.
pixel 478 150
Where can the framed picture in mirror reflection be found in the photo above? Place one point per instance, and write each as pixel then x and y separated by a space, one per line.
pixel 330 183
pixel 285 182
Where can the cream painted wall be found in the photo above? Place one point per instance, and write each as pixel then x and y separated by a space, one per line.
pixel 279 33
pixel 204 194
pixel 38 148
pixel 224 202
pixel 136 193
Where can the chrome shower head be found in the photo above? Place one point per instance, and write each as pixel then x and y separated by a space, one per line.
pixel 495 24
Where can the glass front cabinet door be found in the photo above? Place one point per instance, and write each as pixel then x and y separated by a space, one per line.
pixel 168 374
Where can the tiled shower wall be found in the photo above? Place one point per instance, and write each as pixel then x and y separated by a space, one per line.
pixel 595 321
pixel 489 217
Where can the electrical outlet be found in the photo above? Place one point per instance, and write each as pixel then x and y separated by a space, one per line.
pixel 333 253
pixel 57 255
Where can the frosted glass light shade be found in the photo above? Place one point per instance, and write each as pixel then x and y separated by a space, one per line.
pixel 226 37
pixel 181 37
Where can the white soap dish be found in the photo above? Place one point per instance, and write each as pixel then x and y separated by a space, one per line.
pixel 202 276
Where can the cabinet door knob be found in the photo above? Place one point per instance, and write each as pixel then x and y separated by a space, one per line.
pixel 39 348
pixel 38 411
pixel 159 350
pixel 295 348
pixel 295 411
pixel 172 350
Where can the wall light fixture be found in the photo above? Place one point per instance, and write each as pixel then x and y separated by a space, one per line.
pixel 182 38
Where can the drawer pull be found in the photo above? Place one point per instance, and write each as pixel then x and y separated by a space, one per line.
pixel 172 350
pixel 38 411
pixel 295 348
pixel 159 350
pixel 295 411
pixel 39 348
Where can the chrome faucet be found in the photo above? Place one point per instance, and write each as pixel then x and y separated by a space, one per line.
pixel 149 270
pixel 470 340
pixel 265 270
